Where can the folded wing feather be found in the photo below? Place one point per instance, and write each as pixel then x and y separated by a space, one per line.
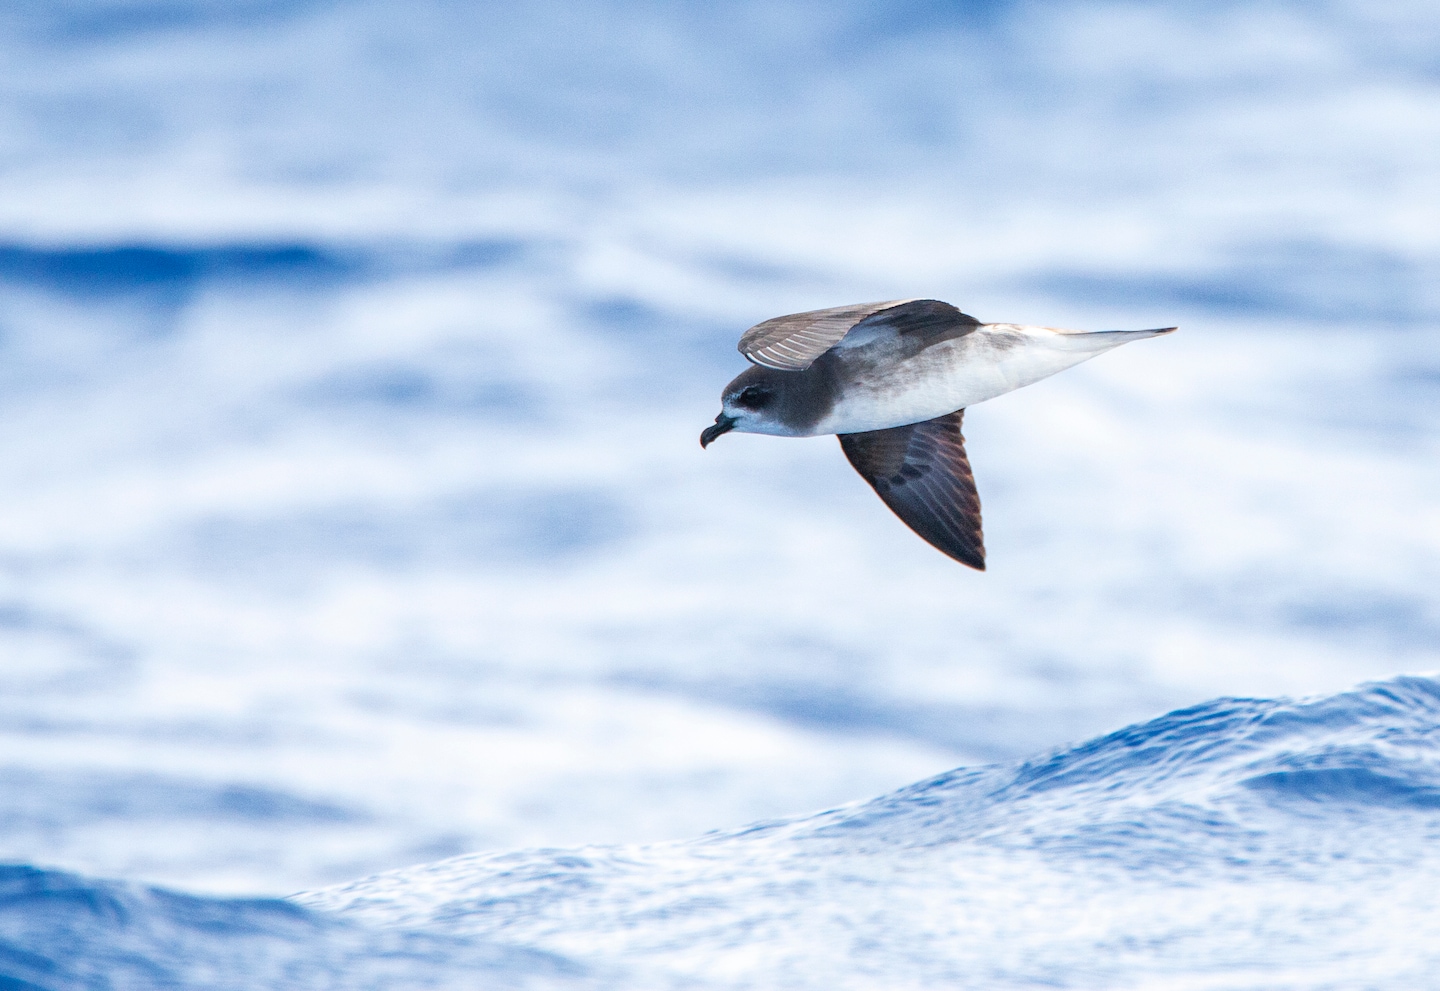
pixel 792 343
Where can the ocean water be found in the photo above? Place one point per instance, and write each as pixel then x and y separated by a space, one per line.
pixel 1240 843
pixel 352 363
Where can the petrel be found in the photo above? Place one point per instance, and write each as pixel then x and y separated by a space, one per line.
pixel 893 380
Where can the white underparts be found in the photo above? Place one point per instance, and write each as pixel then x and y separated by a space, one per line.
pixel 892 389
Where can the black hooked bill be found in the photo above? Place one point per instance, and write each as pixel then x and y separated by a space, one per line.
pixel 723 424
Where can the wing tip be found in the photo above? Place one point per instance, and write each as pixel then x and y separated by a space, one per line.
pixel 971 559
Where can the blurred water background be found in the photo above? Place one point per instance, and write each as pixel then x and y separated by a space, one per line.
pixel 353 355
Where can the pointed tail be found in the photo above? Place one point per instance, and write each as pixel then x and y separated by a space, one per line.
pixel 1104 340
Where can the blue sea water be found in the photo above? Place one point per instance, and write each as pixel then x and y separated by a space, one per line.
pixel 1238 843
pixel 64 931
pixel 352 361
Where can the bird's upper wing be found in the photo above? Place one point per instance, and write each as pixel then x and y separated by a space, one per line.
pixel 921 472
pixel 792 343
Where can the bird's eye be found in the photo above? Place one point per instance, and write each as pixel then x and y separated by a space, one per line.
pixel 753 397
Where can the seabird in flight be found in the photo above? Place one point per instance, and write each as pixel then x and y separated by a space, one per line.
pixel 893 380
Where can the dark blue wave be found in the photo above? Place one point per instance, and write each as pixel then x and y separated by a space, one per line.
pixel 110 269
pixel 1239 790
pixel 1186 787
pixel 63 932
pixel 101 271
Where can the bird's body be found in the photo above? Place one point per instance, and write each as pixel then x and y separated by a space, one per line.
pixel 892 379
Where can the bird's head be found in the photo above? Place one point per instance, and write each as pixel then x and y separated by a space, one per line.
pixel 750 404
